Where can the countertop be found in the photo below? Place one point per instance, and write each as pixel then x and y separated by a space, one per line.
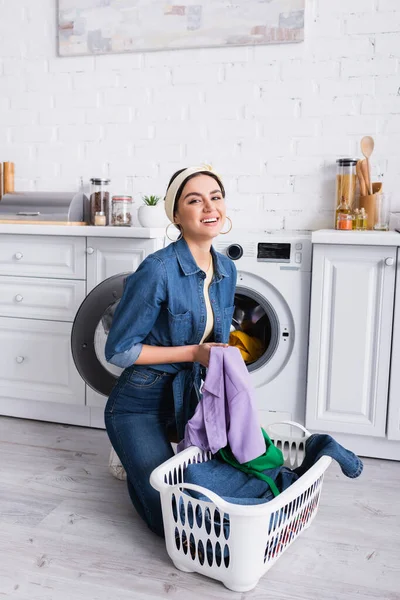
pixel 82 230
pixel 356 238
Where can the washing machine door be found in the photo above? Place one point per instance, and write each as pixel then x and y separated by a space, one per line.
pixel 261 316
pixel 89 334
pixel 263 326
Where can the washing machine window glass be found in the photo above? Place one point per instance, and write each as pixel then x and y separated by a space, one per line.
pixel 254 329
pixel 89 334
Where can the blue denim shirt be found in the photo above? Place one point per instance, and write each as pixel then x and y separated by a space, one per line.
pixel 163 305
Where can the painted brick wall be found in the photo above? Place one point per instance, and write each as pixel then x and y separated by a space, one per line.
pixel 272 120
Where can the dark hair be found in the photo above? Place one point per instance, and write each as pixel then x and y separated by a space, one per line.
pixel 180 190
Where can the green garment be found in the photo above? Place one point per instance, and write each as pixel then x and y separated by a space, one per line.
pixel 271 459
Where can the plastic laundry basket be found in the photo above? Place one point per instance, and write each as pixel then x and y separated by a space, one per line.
pixel 233 543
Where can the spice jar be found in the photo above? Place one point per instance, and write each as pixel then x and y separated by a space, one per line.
pixel 122 211
pixel 346 182
pixel 344 222
pixel 100 218
pixel 99 199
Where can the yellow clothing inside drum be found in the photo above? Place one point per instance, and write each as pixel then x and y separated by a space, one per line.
pixel 251 348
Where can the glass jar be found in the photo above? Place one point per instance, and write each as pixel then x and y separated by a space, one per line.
pixel 99 199
pixel 100 218
pixel 122 211
pixel 344 222
pixel 345 183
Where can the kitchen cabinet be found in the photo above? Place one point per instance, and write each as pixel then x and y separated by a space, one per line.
pixel 44 277
pixel 109 256
pixel 393 430
pixel 353 385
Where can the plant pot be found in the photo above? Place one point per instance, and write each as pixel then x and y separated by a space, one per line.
pixel 152 216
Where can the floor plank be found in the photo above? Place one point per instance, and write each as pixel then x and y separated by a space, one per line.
pixel 68 530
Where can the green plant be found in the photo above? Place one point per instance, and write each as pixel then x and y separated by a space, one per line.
pixel 151 200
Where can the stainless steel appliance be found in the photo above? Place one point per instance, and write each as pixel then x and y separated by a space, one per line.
pixel 52 207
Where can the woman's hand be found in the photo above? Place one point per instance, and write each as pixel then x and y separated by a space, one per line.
pixel 202 352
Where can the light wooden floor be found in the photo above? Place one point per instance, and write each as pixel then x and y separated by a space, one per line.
pixel 69 532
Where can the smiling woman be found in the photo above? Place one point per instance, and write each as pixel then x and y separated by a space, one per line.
pixel 174 308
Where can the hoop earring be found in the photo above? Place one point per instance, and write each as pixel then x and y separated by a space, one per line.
pixel 230 221
pixel 180 236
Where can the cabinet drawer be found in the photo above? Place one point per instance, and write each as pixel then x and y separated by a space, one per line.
pixel 43 256
pixel 34 298
pixel 36 362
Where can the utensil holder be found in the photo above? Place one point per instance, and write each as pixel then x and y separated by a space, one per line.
pixel 369 203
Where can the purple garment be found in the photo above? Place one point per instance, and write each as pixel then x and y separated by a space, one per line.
pixel 226 413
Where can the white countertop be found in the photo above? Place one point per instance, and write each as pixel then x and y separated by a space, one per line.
pixel 356 238
pixel 82 230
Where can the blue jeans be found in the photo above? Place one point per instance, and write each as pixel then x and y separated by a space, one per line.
pixel 322 444
pixel 137 414
pixel 239 488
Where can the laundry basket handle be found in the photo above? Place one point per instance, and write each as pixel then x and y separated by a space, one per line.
pixel 219 502
pixel 293 424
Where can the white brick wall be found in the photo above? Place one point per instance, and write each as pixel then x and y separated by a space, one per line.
pixel 271 119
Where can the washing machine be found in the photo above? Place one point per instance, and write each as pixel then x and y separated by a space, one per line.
pixel 271 314
pixel 272 304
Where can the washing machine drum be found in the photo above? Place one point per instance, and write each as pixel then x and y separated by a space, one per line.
pixel 89 334
pixel 255 328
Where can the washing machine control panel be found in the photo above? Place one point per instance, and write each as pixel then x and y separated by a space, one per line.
pixel 273 251
pixel 234 251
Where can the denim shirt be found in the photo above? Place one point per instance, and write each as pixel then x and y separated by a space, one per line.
pixel 163 305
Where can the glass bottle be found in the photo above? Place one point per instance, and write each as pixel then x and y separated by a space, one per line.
pixel 356 218
pixel 363 220
pixel 99 199
pixel 342 209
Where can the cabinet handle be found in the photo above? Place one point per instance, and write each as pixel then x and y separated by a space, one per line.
pixel 19 298
pixel 20 359
pixel 19 255
pixel 389 262
pixel 90 250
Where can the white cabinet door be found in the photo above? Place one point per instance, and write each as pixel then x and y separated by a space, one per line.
pixel 110 256
pixel 107 257
pixel 39 298
pixel 393 423
pixel 42 256
pixel 36 362
pixel 350 338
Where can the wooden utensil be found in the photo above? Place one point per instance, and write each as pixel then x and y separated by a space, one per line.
pixel 367 148
pixel 365 174
pixel 363 187
pixel 8 177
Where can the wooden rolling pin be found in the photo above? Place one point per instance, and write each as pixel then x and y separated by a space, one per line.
pixel 8 178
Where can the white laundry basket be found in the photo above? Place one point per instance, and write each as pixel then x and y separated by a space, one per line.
pixel 233 543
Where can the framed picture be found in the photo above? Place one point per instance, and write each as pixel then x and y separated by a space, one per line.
pixel 107 26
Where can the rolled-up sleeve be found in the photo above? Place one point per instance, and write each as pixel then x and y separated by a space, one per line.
pixel 138 309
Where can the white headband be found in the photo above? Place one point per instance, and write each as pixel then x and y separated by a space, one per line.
pixel 176 184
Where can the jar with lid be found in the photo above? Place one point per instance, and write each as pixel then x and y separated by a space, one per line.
pixel 121 211
pixel 345 185
pixel 344 222
pixel 99 199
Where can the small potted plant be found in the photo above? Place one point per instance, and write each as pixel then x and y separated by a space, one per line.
pixel 152 212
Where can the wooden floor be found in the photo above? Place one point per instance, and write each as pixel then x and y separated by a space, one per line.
pixel 69 532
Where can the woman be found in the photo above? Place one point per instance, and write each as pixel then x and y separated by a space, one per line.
pixel 179 299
